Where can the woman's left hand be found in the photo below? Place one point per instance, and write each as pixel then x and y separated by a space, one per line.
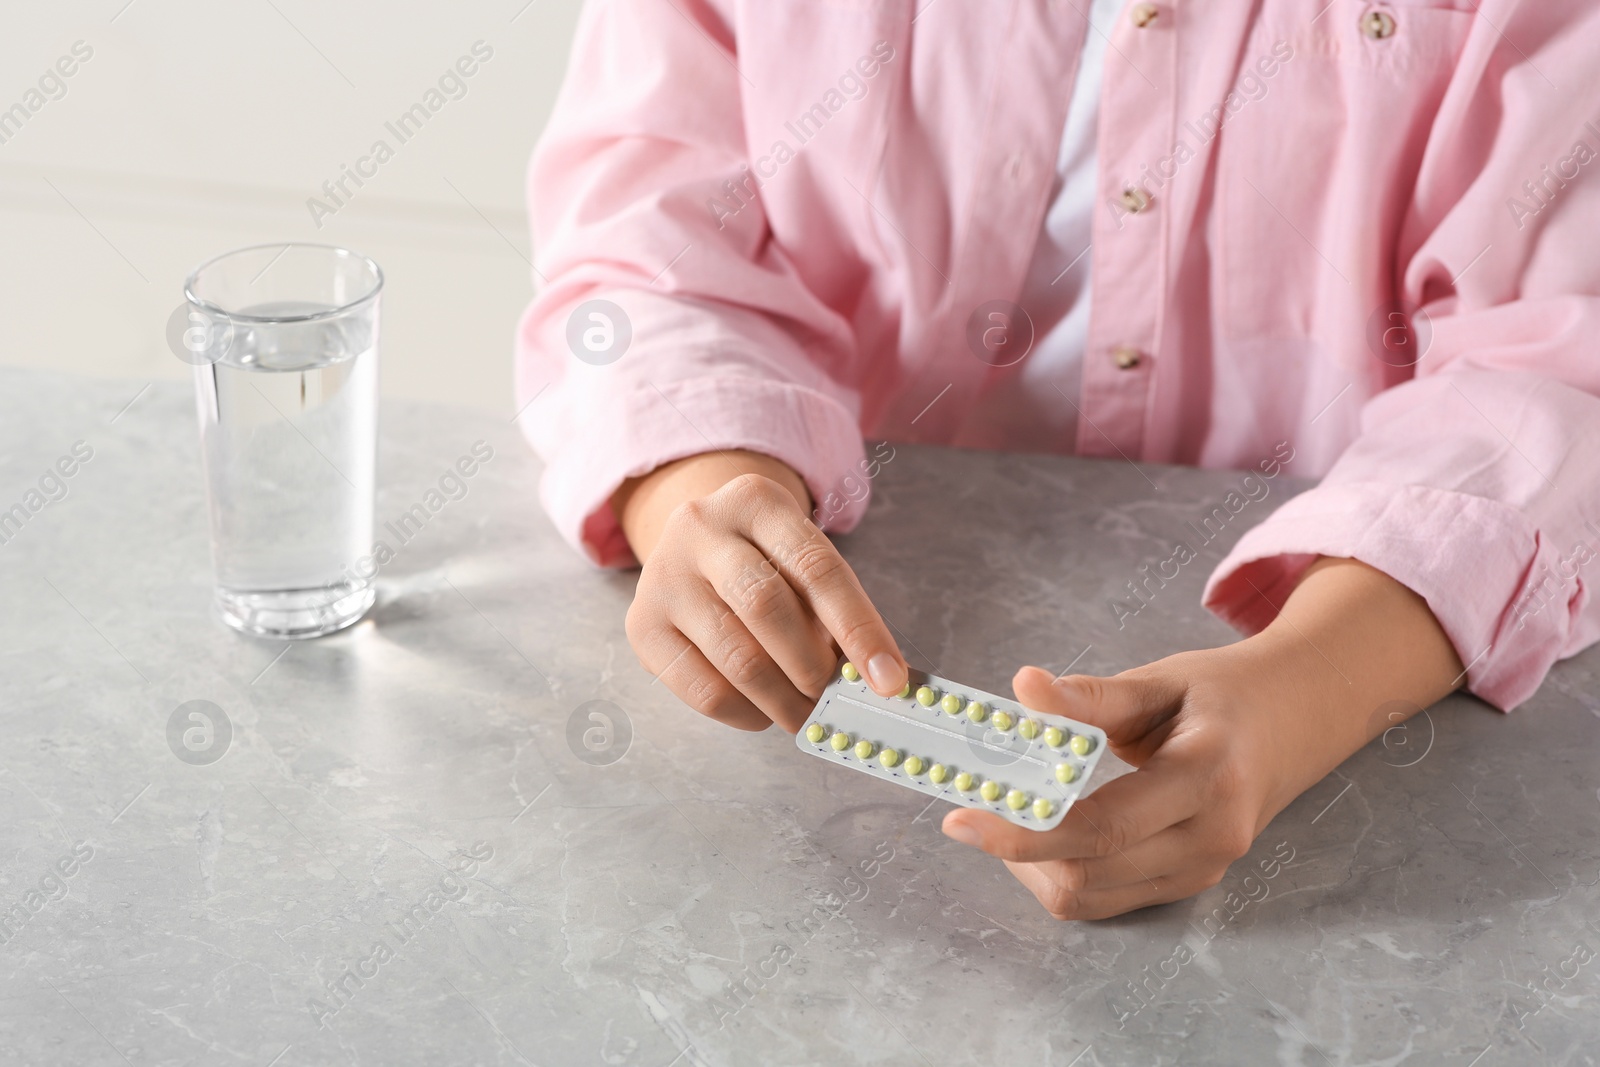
pixel 1223 739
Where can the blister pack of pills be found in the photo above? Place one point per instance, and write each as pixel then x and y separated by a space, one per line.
pixel 956 743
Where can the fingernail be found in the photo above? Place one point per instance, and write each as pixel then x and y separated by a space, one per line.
pixel 885 672
pixel 963 833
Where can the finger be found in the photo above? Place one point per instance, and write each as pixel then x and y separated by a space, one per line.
pixel 1064 903
pixel 1129 707
pixel 827 586
pixel 680 666
pixel 735 653
pixel 1172 852
pixel 1111 820
pixel 774 615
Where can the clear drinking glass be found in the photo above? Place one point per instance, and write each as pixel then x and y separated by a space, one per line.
pixel 284 339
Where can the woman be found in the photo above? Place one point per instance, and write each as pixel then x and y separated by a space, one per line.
pixel 1226 235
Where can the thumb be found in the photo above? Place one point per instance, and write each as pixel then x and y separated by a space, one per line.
pixel 1126 706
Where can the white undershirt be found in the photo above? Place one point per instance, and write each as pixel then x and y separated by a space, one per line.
pixel 1055 292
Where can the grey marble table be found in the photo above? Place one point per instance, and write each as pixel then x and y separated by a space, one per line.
pixel 409 853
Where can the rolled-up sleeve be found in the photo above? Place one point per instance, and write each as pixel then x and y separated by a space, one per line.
pixel 1477 482
pixel 1475 489
pixel 726 346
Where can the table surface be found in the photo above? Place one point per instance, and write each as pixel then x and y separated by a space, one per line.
pixel 408 853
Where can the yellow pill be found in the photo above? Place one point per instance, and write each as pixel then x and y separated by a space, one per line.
pixel 951 704
pixel 914 765
pixel 1002 721
pixel 864 749
pixel 1081 744
pixel 888 757
pixel 1066 773
pixel 850 673
pixel 905 691
pixel 964 781
pixel 1042 808
pixel 1016 800
pixel 1029 729
pixel 976 711
pixel 989 790
pixel 1054 737
pixel 926 697
pixel 816 732
pixel 938 773
pixel 840 741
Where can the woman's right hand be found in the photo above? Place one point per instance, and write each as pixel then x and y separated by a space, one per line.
pixel 743 603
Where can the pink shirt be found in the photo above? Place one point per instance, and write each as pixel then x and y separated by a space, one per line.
pixel 1367 237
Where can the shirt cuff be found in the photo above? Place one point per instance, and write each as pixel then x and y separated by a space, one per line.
pixel 1468 557
pixel 650 426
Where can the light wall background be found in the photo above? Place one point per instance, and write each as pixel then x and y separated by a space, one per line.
pixel 197 127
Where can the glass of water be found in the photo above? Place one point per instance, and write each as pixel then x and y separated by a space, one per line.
pixel 284 342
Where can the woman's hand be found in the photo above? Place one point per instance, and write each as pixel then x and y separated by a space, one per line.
pixel 743 600
pixel 1223 740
